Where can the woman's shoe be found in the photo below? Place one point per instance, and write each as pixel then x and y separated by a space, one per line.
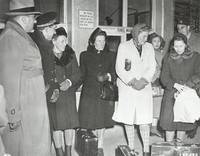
pixel 134 153
pixel 100 152
pixel 68 150
pixel 59 152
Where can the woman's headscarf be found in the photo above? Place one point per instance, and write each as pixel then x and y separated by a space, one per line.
pixel 137 29
pixel 186 54
pixel 95 33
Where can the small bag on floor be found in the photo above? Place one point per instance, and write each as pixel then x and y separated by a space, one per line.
pixel 86 143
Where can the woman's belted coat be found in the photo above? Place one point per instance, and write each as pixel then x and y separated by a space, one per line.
pixel 134 106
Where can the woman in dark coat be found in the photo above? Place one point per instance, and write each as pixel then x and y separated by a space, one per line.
pixel 181 67
pixel 97 65
pixel 68 76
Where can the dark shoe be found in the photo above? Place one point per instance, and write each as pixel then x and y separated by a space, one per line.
pixel 59 152
pixel 100 152
pixel 146 154
pixel 155 133
pixel 68 150
pixel 134 153
pixel 192 133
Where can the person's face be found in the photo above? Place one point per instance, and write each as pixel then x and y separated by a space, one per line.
pixel 142 37
pixel 179 46
pixel 60 43
pixel 30 21
pixel 50 31
pixel 156 43
pixel 99 42
pixel 183 29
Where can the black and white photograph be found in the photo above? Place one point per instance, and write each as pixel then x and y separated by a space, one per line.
pixel 99 77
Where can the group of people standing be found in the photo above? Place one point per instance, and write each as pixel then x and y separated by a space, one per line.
pixel 40 74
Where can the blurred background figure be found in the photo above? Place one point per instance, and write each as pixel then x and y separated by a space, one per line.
pixel 183 27
pixel 158 44
pixel 97 65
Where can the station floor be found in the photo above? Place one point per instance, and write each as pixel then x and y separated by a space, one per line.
pixel 115 136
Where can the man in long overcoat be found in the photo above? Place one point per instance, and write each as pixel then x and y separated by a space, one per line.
pixel 21 74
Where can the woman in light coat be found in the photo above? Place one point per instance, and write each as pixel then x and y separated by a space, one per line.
pixel 135 67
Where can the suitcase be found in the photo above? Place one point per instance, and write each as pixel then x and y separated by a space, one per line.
pixel 86 143
pixel 124 150
pixel 175 149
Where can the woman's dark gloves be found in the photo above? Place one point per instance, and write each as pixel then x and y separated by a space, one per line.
pixel 101 77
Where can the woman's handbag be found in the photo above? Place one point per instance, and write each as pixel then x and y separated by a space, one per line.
pixel 109 91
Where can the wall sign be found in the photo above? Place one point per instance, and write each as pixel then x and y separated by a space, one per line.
pixel 86 19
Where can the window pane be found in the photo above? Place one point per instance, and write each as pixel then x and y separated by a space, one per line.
pixel 110 12
pixel 139 11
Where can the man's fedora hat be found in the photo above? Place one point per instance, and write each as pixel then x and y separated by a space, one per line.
pixel 21 7
pixel 47 19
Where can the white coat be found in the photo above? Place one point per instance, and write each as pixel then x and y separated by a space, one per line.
pixel 134 107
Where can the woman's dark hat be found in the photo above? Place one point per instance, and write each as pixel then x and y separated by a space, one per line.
pixel 21 7
pixel 46 19
pixel 61 31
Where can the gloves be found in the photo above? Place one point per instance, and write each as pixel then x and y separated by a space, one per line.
pixel 179 87
pixel 65 85
pixel 101 77
pixel 54 96
pixel 138 84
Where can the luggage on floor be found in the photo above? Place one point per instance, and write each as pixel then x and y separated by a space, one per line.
pixel 124 150
pixel 86 143
pixel 175 149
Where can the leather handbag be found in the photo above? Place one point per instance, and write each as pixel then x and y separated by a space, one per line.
pixel 109 91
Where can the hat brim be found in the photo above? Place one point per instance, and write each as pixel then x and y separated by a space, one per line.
pixel 22 13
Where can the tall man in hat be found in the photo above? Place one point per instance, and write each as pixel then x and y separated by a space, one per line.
pixel 183 26
pixel 21 74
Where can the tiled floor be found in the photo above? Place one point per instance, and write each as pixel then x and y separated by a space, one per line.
pixel 115 136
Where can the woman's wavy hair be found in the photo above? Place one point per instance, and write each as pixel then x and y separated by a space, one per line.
pixel 154 35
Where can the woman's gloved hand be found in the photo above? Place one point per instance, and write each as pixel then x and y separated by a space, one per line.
pixel 101 77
